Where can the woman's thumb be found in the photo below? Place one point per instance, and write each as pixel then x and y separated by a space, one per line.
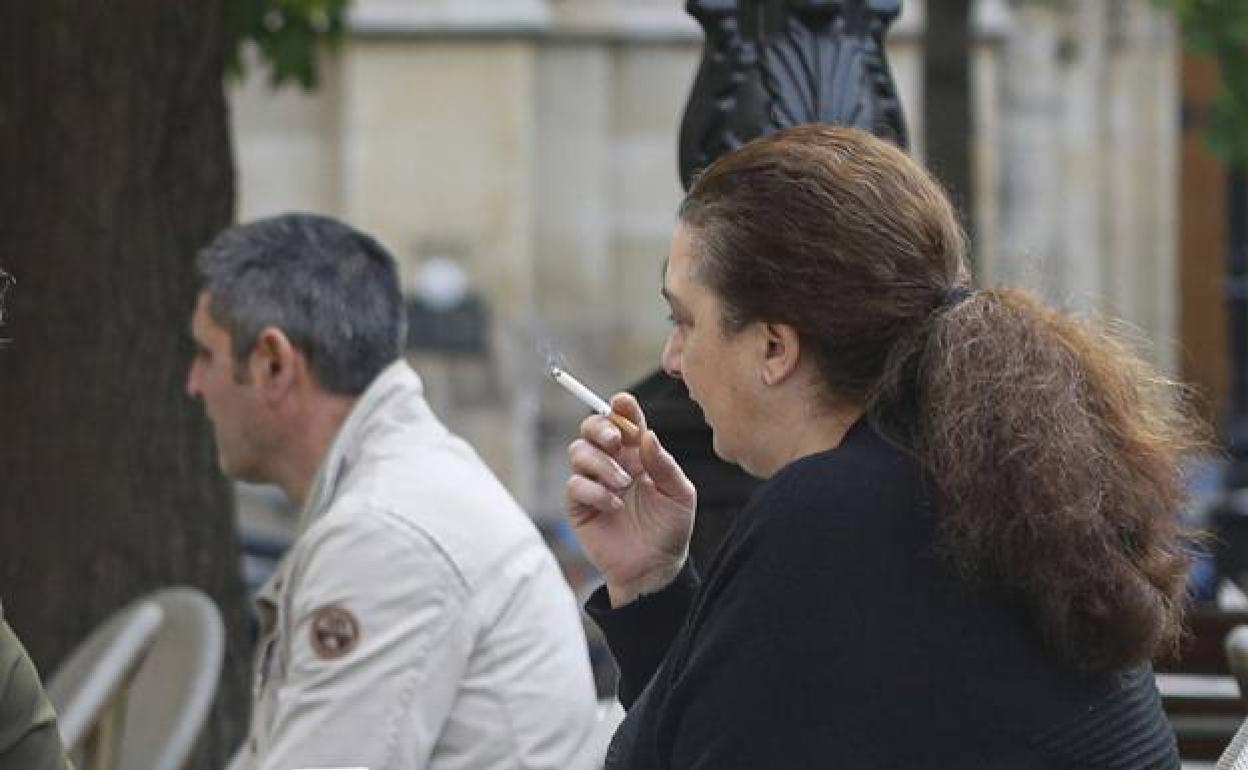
pixel 663 470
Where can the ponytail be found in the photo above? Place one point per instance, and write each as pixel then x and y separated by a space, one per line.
pixel 1054 455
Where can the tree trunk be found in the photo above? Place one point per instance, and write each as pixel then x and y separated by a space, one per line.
pixel 947 118
pixel 115 166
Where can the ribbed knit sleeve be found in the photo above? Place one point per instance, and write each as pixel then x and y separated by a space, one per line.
pixel 640 632
pixel 1124 731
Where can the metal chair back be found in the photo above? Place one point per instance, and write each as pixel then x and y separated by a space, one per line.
pixel 89 688
pixel 136 694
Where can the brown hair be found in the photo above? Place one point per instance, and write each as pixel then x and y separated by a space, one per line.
pixel 1051 449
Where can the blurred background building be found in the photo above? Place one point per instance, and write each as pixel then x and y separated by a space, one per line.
pixel 520 156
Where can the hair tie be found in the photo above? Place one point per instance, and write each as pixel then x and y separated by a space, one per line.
pixel 955 296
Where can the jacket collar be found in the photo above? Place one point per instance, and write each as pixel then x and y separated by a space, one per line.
pixel 397 382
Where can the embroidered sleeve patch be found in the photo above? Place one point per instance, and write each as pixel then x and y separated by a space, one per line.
pixel 335 632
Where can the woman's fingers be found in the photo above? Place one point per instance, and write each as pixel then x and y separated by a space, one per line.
pixel 634 526
pixel 597 479
pixel 668 477
pixel 592 462
pixel 601 432
pixel 625 405
pixel 587 497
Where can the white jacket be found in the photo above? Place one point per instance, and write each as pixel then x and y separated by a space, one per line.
pixel 418 621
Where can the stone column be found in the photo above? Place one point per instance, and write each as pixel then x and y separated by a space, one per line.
pixel 1030 117
pixel 1088 161
pixel 1142 144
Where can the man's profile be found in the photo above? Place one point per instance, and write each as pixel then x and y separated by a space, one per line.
pixel 418 620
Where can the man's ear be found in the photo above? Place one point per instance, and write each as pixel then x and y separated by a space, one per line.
pixel 274 362
pixel 781 352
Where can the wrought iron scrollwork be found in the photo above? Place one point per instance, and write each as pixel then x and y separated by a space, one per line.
pixel 770 64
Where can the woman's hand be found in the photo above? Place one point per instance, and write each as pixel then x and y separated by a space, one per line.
pixel 630 503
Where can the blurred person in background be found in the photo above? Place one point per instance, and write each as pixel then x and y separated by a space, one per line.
pixel 965 553
pixel 29 739
pixel 419 619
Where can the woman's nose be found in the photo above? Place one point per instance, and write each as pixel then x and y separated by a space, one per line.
pixel 192 380
pixel 670 360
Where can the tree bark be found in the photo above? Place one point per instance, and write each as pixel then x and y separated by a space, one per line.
pixel 115 167
pixel 947 117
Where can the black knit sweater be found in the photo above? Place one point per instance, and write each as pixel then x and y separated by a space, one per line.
pixel 828 634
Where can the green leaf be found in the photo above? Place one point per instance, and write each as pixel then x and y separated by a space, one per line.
pixel 1219 28
pixel 289 35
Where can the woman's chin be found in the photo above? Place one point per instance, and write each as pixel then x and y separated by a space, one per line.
pixel 721 452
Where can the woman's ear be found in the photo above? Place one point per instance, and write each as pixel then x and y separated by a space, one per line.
pixel 781 351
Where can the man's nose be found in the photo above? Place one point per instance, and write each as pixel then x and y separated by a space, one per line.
pixel 192 380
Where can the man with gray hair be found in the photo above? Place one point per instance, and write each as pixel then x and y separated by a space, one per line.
pixel 418 621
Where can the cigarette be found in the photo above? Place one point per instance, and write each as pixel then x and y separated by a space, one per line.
pixel 593 401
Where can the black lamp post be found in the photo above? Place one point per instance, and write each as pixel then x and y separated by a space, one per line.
pixel 770 64
pixel 1236 288
pixel 1230 518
